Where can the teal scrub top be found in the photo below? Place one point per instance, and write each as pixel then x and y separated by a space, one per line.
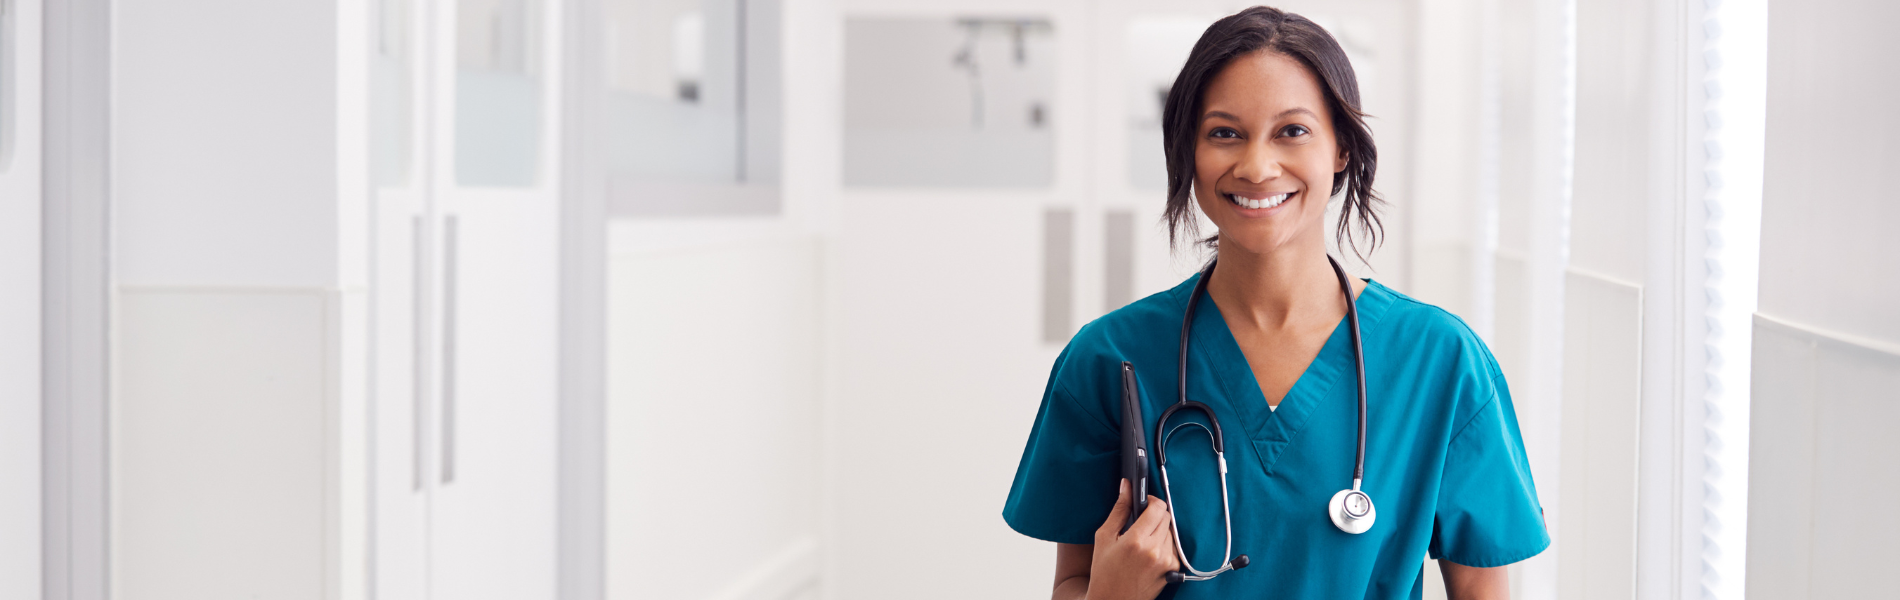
pixel 1445 464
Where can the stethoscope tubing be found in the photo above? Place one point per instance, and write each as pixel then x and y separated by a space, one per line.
pixel 1228 563
pixel 1359 365
pixel 1227 520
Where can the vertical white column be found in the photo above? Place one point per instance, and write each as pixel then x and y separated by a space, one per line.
pixel 582 504
pixel 75 305
pixel 1735 89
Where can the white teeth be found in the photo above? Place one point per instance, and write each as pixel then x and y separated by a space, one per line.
pixel 1267 202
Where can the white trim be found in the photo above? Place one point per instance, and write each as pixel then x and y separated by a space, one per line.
pixel 1606 278
pixel 1844 339
pixel 243 289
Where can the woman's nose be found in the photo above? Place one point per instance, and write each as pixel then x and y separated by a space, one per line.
pixel 1258 163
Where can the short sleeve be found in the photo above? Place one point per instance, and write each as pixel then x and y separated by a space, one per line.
pixel 1488 514
pixel 1068 478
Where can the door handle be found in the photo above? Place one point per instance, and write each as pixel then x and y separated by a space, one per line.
pixel 450 272
pixel 419 332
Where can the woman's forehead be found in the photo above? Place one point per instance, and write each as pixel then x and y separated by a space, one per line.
pixel 1263 85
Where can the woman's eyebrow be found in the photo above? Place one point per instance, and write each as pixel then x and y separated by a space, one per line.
pixel 1283 114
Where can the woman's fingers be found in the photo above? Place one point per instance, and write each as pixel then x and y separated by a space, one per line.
pixel 1157 537
pixel 1167 540
pixel 1116 516
pixel 1153 520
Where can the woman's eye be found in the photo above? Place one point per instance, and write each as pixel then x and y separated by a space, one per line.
pixel 1223 133
pixel 1294 131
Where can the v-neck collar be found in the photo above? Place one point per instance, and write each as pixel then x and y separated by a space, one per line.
pixel 1219 358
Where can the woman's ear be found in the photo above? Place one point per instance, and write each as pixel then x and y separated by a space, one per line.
pixel 1339 164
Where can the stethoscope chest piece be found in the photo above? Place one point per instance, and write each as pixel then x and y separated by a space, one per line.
pixel 1352 511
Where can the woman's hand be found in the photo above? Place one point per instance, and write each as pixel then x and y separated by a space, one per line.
pixel 1130 566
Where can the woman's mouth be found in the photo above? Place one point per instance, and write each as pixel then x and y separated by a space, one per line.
pixel 1266 202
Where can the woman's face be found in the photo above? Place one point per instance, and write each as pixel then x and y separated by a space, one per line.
pixel 1265 157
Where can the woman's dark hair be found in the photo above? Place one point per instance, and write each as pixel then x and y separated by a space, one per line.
pixel 1268 29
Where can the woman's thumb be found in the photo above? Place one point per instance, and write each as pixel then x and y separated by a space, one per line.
pixel 1120 512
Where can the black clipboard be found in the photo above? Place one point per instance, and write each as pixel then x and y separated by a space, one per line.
pixel 1134 445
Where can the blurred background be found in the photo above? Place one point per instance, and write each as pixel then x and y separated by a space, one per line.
pixel 755 299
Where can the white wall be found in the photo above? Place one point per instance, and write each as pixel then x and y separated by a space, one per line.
pixel 238 185
pixel 712 419
pixel 1827 334
pixel 221 451
pixel 20 305
pixel 718 369
pixel 1448 199
pixel 224 144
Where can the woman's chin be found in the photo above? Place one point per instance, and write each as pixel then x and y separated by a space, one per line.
pixel 1255 240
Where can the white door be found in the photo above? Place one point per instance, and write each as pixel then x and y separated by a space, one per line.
pixel 402 290
pixel 494 172
pixel 466 264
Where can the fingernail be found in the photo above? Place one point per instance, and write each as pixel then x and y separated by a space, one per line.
pixel 1124 487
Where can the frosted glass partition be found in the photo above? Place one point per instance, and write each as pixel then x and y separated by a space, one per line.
pixel 692 106
pixel 949 102
pixel 497 92
pixel 391 91
pixel 1154 49
pixel 673 89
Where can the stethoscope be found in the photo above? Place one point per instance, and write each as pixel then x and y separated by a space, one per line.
pixel 1351 509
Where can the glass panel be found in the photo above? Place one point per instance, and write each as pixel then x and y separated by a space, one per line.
pixel 497 92
pixel 949 102
pixel 676 93
pixel 1156 48
pixel 390 93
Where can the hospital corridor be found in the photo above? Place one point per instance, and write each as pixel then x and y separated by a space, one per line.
pixel 797 299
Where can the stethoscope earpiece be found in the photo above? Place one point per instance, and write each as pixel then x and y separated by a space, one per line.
pixel 1239 562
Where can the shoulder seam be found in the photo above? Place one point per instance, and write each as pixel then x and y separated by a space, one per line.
pixel 1441 310
pixel 1062 392
pixel 1480 411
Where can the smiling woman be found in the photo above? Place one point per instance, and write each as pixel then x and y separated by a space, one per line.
pixel 1322 103
pixel 1262 128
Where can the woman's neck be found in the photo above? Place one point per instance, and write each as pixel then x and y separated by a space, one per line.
pixel 1272 290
